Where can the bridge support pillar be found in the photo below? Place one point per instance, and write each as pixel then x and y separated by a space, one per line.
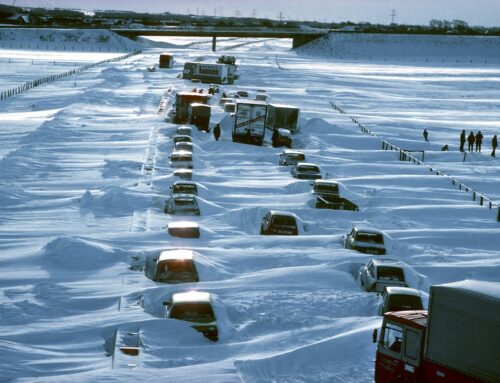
pixel 214 43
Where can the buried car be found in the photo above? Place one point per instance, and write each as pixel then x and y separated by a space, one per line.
pixel 400 299
pixel 184 174
pixel 195 307
pixel 183 146
pixel 365 240
pixel 184 229
pixel 181 159
pixel 184 187
pixel 181 138
pixel 182 204
pixel 328 188
pixel 377 274
pixel 279 223
pixel 282 137
pixel 306 171
pixel 291 157
pixel 176 266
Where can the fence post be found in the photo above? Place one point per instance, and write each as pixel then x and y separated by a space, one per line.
pixel 498 215
pixel 481 200
pixel 473 195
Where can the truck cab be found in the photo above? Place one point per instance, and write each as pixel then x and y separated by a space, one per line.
pixel 399 347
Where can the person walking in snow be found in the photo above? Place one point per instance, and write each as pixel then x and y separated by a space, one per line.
pixel 470 139
pixel 426 135
pixel 217 132
pixel 494 144
pixel 479 141
pixel 462 140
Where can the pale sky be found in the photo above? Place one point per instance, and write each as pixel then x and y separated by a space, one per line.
pixel 474 12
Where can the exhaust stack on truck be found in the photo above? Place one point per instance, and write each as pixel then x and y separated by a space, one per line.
pixel 457 340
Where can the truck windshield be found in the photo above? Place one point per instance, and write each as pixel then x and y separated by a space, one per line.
pixel 392 336
pixel 193 312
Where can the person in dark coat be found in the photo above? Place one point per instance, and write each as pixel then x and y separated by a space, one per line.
pixel 462 140
pixel 217 132
pixel 470 139
pixel 494 144
pixel 479 141
pixel 426 135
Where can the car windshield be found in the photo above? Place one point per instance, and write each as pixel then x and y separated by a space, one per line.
pixel 186 203
pixel 188 189
pixel 330 188
pixel 370 238
pixel 297 157
pixel 283 220
pixel 193 312
pixel 181 158
pixel 393 273
pixel 308 168
pixel 176 266
pixel 400 302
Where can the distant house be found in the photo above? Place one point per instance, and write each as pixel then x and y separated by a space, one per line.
pixel 18 19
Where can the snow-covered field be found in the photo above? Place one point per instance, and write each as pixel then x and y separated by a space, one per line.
pixel 80 216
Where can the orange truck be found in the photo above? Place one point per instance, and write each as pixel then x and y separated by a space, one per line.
pixel 456 341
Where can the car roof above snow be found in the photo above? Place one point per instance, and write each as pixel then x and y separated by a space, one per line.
pixel 191 297
pixel 183 254
pixel 291 151
pixel 181 182
pixel 402 290
pixel 306 164
pixel 387 262
pixel 325 182
pixel 366 229
pixel 182 225
pixel 283 213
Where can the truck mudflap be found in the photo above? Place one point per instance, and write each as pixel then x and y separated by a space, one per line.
pixel 434 373
pixel 389 369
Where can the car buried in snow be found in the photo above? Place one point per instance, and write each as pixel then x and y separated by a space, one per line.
pixel 291 157
pixel 306 171
pixel 365 240
pixel 176 266
pixel 379 273
pixel 181 138
pixel 184 229
pixel 395 298
pixel 327 188
pixel 279 223
pixel 195 307
pixel 183 146
pixel 181 159
pixel 282 137
pixel 184 187
pixel 184 131
pixel 182 204
pixel 183 174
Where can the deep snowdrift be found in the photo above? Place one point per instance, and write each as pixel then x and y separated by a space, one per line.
pixel 433 48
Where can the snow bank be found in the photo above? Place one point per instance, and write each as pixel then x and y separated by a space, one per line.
pixel 91 40
pixel 368 46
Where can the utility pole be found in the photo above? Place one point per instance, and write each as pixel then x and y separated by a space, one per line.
pixel 254 13
pixel 393 16
pixel 280 16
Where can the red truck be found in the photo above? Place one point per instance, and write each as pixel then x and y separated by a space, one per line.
pixel 456 341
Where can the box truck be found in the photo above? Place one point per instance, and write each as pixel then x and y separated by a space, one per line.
pixel 250 122
pixel 166 60
pixel 199 116
pixel 456 340
pixel 282 117
pixel 206 73
pixel 182 102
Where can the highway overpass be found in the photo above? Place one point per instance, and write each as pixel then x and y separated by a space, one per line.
pixel 299 37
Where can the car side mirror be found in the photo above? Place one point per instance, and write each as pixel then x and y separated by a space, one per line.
pixel 375 335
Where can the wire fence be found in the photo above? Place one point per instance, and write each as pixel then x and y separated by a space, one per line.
pixel 54 77
pixel 405 155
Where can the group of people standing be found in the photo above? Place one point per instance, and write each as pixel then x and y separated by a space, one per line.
pixel 478 140
pixel 471 139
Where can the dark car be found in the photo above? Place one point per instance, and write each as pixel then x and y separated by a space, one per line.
pixel 279 223
pixel 176 266
pixel 195 307
pixel 291 157
pixel 184 187
pixel 282 137
pixel 306 171
pixel 182 204
pixel 184 229
pixel 365 240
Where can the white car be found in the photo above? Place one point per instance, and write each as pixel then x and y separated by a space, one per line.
pixel 365 240
pixel 176 266
pixel 400 299
pixel 184 229
pixel 379 273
